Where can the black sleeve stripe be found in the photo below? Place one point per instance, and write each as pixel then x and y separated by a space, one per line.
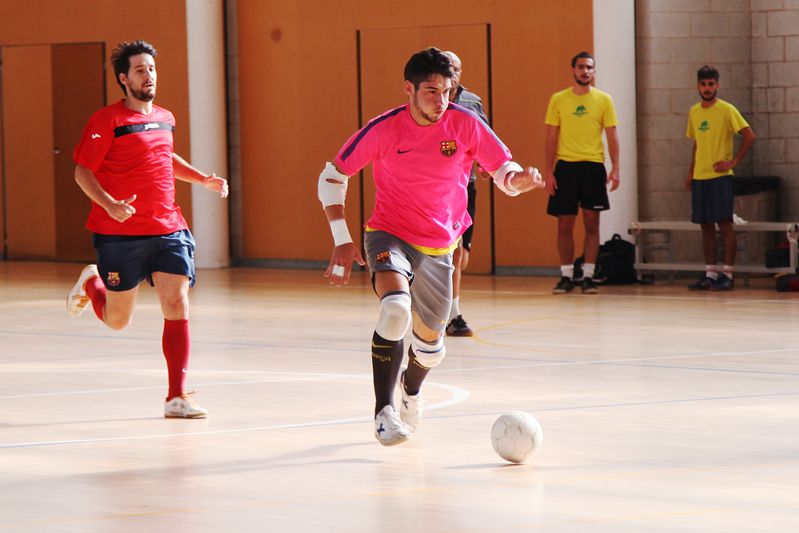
pixel 143 128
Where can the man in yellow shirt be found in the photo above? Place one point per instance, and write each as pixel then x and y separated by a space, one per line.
pixel 711 124
pixel 574 167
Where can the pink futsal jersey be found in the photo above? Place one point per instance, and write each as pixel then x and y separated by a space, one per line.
pixel 421 172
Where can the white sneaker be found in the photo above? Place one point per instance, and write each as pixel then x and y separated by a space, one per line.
pixel 389 429
pixel 183 406
pixel 411 407
pixel 77 300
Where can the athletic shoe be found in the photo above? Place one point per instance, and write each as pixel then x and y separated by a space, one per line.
pixel 702 284
pixel 183 406
pixel 389 429
pixel 564 285
pixel 458 327
pixel 589 286
pixel 411 407
pixel 723 283
pixel 77 299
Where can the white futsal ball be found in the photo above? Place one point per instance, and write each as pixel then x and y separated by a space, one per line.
pixel 516 436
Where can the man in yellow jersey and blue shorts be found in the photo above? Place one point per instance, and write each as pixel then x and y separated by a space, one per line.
pixel 712 124
pixel 574 169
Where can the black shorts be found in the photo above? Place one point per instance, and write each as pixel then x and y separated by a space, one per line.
pixel 712 200
pixel 124 261
pixel 581 184
pixel 470 208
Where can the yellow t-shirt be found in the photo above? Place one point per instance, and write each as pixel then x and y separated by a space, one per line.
pixel 581 119
pixel 712 128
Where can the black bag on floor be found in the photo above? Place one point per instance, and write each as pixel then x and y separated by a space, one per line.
pixel 615 264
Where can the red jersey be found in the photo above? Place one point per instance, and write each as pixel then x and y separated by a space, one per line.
pixel 131 153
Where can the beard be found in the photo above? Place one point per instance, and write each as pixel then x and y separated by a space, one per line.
pixel 143 96
pixel 429 118
pixel 581 82
pixel 708 98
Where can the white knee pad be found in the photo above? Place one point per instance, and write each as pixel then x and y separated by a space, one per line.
pixel 428 355
pixel 395 316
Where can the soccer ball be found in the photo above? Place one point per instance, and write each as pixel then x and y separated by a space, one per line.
pixel 517 435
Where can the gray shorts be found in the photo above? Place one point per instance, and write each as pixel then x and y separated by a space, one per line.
pixel 430 276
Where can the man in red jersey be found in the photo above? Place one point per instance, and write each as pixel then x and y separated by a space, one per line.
pixel 125 162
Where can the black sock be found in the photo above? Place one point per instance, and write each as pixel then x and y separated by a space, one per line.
pixel 386 362
pixel 414 375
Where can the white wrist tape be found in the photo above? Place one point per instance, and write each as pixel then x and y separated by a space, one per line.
pixel 332 188
pixel 501 177
pixel 341 235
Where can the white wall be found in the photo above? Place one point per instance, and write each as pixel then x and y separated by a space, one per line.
pixel 206 53
pixel 614 51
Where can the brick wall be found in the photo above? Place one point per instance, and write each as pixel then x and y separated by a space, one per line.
pixel 755 46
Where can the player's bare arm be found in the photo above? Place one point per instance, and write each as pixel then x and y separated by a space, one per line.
pixel 119 210
pixel 185 172
pixel 748 140
pixel 332 189
pixel 526 180
pixel 690 177
pixel 550 148
pixel 613 149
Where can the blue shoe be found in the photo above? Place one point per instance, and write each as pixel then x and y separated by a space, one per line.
pixel 702 284
pixel 724 283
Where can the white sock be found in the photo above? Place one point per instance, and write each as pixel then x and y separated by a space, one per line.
pixel 588 270
pixel 567 271
pixel 728 270
pixel 710 271
pixel 455 310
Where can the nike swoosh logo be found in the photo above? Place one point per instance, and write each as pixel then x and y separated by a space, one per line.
pixel 403 151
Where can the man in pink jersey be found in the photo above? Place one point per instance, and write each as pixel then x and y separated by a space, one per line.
pixel 421 154
pixel 125 162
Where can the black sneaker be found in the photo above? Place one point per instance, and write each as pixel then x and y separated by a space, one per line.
pixel 589 286
pixel 564 285
pixel 702 284
pixel 724 283
pixel 458 327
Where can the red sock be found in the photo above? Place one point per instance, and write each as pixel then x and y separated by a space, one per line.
pixel 177 345
pixel 95 290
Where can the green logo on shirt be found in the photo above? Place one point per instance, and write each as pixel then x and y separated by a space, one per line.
pixel 580 111
pixel 704 126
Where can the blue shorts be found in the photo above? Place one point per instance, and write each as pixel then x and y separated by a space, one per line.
pixel 712 200
pixel 124 261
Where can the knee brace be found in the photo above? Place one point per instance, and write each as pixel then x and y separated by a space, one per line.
pixel 395 315
pixel 427 354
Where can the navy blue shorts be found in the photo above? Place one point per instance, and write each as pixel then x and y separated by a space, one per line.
pixel 124 261
pixel 581 184
pixel 712 200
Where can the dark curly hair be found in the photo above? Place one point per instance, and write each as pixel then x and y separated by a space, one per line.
pixel 120 57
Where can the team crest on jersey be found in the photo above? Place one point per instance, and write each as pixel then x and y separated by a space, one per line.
pixel 448 148
pixel 382 257
pixel 113 279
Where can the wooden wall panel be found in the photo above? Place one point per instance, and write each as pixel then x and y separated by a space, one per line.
pixel 73 102
pixel 299 102
pixel 28 128
pixel 45 22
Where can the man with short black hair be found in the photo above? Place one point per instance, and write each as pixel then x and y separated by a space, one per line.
pixel 574 168
pixel 421 154
pixel 125 163
pixel 712 122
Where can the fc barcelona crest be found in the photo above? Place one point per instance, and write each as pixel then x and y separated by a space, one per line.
pixel 448 148
pixel 382 257
pixel 113 279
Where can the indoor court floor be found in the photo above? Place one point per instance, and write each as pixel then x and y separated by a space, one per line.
pixel 663 410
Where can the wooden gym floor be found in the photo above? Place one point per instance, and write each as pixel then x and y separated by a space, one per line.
pixel 663 410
